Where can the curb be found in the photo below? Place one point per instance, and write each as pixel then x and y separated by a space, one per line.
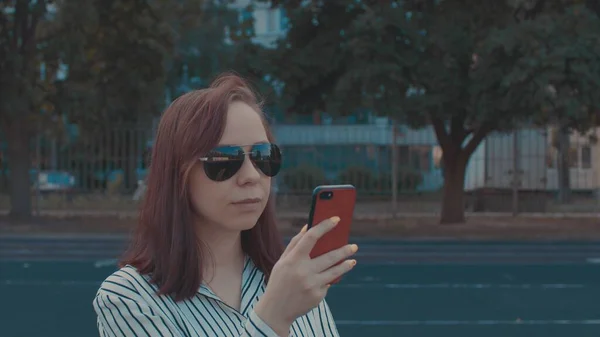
pixel 384 241
pixel 303 215
pixel 64 236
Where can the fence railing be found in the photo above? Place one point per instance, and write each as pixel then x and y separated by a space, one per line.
pixel 105 171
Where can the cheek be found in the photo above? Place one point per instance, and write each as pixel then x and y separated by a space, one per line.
pixel 206 195
pixel 268 187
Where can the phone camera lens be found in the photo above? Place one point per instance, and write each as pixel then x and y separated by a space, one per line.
pixel 326 195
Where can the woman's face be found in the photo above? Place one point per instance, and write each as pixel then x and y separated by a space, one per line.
pixel 234 204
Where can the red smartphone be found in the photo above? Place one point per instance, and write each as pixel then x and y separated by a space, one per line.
pixel 329 201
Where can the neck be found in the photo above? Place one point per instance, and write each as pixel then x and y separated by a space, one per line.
pixel 223 250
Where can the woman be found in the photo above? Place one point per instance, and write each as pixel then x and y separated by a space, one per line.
pixel 206 257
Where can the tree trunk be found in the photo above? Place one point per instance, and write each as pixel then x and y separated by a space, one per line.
pixel 453 205
pixel 19 164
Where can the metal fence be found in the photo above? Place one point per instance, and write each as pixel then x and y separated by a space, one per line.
pixel 106 170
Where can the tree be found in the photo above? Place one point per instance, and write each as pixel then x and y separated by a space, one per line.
pixel 116 51
pixel 206 49
pixel 136 55
pixel 467 68
pixel 311 58
pixel 28 35
pixel 558 45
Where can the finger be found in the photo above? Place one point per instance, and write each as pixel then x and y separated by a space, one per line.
pixel 327 260
pixel 326 277
pixel 308 240
pixel 295 240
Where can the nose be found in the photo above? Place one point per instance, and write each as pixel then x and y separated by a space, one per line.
pixel 248 173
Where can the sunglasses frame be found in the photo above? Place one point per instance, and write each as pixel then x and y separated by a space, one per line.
pixel 208 160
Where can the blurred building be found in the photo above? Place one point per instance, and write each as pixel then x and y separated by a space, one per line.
pixel 270 23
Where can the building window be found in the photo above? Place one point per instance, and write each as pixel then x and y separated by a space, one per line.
pixel 573 157
pixel 271 20
pixel 579 157
pixel 551 155
pixel 586 157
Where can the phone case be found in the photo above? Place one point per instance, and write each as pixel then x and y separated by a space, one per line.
pixel 340 204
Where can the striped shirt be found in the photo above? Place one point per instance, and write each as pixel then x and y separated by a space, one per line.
pixel 127 305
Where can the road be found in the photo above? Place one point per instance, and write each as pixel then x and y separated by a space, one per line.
pixel 399 288
pixel 98 248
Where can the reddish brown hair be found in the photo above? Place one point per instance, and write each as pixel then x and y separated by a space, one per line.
pixel 164 243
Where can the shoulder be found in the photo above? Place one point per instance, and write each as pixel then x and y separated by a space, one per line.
pixel 126 283
pixel 125 306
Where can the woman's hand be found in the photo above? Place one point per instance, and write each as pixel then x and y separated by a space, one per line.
pixel 298 283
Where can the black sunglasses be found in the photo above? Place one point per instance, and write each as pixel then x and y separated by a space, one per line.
pixel 224 162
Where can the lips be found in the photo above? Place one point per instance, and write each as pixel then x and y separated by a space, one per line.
pixel 247 201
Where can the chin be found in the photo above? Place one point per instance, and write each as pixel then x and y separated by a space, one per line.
pixel 244 227
pixel 245 222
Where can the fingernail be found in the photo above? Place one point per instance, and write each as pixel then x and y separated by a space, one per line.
pixel 354 248
pixel 352 263
pixel 335 219
pixel 304 228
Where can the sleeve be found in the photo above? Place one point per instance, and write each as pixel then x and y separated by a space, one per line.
pixel 121 316
pixel 325 320
pixel 254 326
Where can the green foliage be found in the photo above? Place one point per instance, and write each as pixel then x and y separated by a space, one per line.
pixel 420 60
pixel 368 182
pixel 201 50
pixel 465 67
pixel 548 68
pixel 312 56
pixel 363 178
pixel 117 72
pixel 408 179
pixel 303 178
pixel 118 56
pixel 27 39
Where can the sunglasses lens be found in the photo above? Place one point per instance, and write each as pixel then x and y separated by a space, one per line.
pixel 267 158
pixel 223 163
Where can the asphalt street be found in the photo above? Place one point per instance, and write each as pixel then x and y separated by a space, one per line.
pixel 399 288
pixel 98 248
